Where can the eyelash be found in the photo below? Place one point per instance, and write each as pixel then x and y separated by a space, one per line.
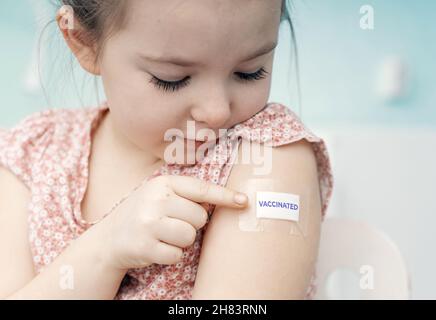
pixel 177 85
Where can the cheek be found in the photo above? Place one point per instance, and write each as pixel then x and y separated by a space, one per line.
pixel 253 100
pixel 138 110
pixel 139 126
pixel 127 85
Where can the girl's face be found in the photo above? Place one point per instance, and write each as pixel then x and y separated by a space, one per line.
pixel 210 47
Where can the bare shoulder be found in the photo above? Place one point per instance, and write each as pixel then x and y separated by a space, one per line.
pixel 13 192
pixel 238 264
pixel 16 265
pixel 10 182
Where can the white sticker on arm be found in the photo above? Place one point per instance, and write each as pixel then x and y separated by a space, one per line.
pixel 276 205
pixel 267 207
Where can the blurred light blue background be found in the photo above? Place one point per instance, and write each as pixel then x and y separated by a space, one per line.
pixel 338 61
pixel 382 153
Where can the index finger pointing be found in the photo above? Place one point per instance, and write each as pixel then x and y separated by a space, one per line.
pixel 203 191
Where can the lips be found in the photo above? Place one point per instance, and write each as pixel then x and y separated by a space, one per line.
pixel 198 143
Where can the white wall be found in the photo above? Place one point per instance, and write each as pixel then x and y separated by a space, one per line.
pixel 387 178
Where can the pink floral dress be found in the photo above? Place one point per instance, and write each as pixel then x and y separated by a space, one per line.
pixel 49 152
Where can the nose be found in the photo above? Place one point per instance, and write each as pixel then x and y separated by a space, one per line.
pixel 213 111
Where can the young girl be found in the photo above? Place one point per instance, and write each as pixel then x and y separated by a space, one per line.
pixel 90 208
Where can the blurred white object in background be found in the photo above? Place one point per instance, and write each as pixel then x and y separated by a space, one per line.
pixel 386 177
pixel 392 79
pixel 375 266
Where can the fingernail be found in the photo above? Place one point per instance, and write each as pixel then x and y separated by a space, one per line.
pixel 240 198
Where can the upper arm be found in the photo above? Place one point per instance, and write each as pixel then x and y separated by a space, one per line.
pixel 237 264
pixel 16 265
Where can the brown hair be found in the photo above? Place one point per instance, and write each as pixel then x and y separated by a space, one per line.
pixel 99 18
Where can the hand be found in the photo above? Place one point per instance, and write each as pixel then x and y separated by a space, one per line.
pixel 159 219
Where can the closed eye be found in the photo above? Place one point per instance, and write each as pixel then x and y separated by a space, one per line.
pixel 177 85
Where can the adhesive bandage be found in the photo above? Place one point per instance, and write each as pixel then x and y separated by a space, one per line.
pixel 271 207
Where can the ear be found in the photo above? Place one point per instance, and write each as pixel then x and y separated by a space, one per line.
pixel 78 40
